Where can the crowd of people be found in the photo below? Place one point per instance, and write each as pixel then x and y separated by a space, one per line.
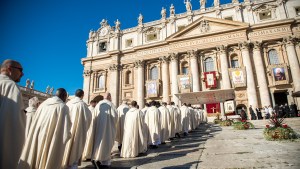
pixel 60 134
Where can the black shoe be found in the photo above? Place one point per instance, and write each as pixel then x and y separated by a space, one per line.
pixel 185 134
pixel 120 148
pixel 171 138
pixel 177 134
pixel 95 164
pixel 163 143
pixel 98 165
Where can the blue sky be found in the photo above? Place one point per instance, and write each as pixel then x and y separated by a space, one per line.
pixel 49 37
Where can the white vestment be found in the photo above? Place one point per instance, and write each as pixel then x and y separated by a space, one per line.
pixel 30 111
pixel 48 135
pixel 133 140
pixel 172 121
pixel 81 118
pixel 87 151
pixel 177 119
pixel 12 123
pixel 192 118
pixel 165 123
pixel 204 115
pixel 106 117
pixel 144 111
pixel 185 121
pixel 152 122
pixel 122 110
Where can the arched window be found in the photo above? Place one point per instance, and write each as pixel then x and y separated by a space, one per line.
pixel 209 64
pixel 273 57
pixel 234 61
pixel 101 82
pixel 153 73
pixel 185 68
pixel 128 77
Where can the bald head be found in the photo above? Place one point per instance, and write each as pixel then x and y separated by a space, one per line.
pixel 62 94
pixel 12 69
pixel 79 93
pixel 107 96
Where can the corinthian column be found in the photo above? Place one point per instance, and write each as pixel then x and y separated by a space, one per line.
pixel 224 67
pixel 141 83
pixel 261 75
pixel 194 70
pixel 251 90
pixel 114 84
pixel 174 87
pixel 293 61
pixel 165 78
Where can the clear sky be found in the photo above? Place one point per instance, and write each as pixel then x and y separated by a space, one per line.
pixel 49 37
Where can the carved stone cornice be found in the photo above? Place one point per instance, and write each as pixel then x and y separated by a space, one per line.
pixel 173 56
pixel 280 2
pixel 139 63
pixel 256 45
pixel 221 48
pixel 164 59
pixel 244 45
pixel 114 67
pixel 237 8
pixel 289 40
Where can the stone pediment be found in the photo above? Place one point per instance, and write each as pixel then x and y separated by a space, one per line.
pixel 207 25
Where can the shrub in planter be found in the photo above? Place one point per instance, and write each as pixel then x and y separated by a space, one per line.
pixel 217 121
pixel 242 125
pixel 226 123
pixel 278 130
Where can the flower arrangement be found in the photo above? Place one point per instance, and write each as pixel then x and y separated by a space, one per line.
pixel 227 122
pixel 243 125
pixel 278 130
pixel 218 120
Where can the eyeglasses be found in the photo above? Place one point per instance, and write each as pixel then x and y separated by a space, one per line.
pixel 20 69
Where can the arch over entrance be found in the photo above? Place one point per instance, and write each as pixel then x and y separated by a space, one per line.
pixel 240 107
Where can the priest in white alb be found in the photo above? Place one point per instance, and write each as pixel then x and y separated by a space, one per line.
pixel 30 112
pixel 133 140
pixel 106 117
pixel 177 120
pixel 48 135
pixel 185 119
pixel 152 122
pixel 12 115
pixel 165 122
pixel 172 120
pixel 81 118
pixel 87 151
pixel 122 110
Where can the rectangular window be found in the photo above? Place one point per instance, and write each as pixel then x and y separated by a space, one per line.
pixel 152 36
pixel 229 18
pixel 234 63
pixel 265 15
pixel 181 27
pixel 102 46
pixel 128 42
pixel 297 9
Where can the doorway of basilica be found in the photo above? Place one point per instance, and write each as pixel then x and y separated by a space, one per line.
pixel 280 98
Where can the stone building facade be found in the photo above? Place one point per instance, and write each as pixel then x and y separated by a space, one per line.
pixel 252 47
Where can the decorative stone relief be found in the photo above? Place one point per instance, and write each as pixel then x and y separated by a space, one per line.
pixel 139 63
pixel 164 59
pixel 221 48
pixel 172 11
pixel 289 40
pixel 87 72
pixel 204 26
pixel 114 67
pixel 192 53
pixel 244 45
pixel 173 56
pixel 256 45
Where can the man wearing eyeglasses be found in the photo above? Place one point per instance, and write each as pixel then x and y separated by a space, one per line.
pixel 12 116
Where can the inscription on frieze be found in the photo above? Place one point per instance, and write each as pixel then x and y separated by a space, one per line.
pixel 269 31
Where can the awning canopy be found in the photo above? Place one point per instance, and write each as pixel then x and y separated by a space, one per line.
pixel 206 97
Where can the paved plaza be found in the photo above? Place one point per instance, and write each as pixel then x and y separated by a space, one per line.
pixel 212 146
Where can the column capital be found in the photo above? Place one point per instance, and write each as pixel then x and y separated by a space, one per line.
pixel 192 53
pixel 139 63
pixel 289 40
pixel 173 56
pixel 114 67
pixel 244 45
pixel 256 45
pixel 164 59
pixel 222 48
pixel 87 72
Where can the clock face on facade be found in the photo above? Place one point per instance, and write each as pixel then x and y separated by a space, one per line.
pixel 103 31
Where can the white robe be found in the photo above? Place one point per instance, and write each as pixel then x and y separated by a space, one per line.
pixel 81 118
pixel 48 135
pixel 122 110
pixel 87 151
pixel 30 111
pixel 106 117
pixel 133 140
pixel 165 123
pixel 12 123
pixel 144 111
pixel 177 119
pixel 172 130
pixel 185 118
pixel 192 118
pixel 152 121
